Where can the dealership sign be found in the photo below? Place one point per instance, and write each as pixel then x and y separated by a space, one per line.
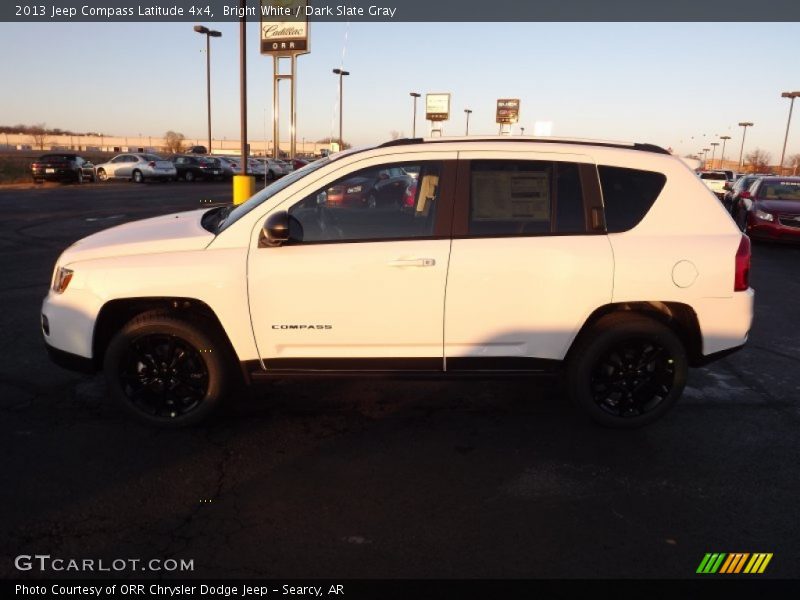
pixel 284 27
pixel 437 107
pixel 507 111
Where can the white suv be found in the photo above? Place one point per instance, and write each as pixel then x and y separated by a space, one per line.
pixel 610 263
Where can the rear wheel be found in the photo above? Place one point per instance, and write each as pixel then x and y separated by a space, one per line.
pixel 627 371
pixel 167 371
pixel 189 176
pixel 138 177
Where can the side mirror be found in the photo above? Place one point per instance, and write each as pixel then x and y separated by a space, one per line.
pixel 276 228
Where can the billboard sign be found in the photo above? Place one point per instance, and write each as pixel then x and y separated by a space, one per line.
pixel 284 27
pixel 437 107
pixel 507 111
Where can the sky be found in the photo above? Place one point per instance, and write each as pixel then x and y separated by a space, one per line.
pixel 678 85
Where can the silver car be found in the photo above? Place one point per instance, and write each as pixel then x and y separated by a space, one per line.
pixel 137 167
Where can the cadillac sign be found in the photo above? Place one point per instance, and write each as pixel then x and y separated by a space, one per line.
pixel 507 111
pixel 284 27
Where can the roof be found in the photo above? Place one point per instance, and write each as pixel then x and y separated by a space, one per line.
pixel 643 147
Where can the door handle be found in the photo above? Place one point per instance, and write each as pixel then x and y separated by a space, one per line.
pixel 412 262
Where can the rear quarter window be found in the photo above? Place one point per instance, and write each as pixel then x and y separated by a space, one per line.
pixel 628 194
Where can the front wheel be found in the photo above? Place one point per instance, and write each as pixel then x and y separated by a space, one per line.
pixel 102 175
pixel 189 176
pixel 166 371
pixel 627 371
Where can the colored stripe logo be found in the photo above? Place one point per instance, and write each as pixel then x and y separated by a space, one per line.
pixel 732 563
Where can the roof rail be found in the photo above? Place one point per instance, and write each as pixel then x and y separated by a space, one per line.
pixel 518 139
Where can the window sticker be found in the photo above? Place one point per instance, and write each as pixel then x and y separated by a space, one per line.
pixel 510 196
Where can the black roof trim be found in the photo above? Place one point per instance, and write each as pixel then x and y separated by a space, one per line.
pixel 636 146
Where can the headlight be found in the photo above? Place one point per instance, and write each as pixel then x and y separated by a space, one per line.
pixel 354 190
pixel 61 279
pixel 764 216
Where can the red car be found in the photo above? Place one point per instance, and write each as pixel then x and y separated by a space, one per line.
pixel 770 209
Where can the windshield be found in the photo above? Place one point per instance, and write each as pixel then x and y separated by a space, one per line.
pixel 780 190
pixel 713 176
pixel 268 192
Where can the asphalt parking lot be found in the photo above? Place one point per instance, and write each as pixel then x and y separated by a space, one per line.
pixel 384 478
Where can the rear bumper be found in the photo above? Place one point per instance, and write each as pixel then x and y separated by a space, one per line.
pixel 724 323
pixel 56 175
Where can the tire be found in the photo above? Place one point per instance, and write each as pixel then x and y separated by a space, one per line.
pixel 138 177
pixel 626 371
pixel 189 176
pixel 741 220
pixel 271 176
pixel 38 180
pixel 92 178
pixel 102 175
pixel 167 371
pixel 79 177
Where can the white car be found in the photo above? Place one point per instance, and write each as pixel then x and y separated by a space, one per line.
pixel 502 258
pixel 716 181
pixel 136 167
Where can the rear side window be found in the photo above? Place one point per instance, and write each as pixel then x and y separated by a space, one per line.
pixel 714 176
pixel 628 195
pixel 519 198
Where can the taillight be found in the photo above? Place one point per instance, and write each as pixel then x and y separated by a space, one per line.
pixel 744 195
pixel 742 279
pixel 410 195
pixel 152 164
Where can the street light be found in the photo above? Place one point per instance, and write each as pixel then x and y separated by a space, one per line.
pixel 467 112
pixel 792 96
pixel 414 95
pixel 745 125
pixel 522 130
pixel 713 152
pixel 209 33
pixel 341 73
pixel 724 139
pixel 705 157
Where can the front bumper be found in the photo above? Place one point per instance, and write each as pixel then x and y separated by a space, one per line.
pixel 777 230
pixel 72 362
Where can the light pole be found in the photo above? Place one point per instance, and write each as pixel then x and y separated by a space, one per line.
pixel 744 125
pixel 724 139
pixel 705 157
pixel 521 130
pixel 341 73
pixel 791 96
pixel 467 112
pixel 713 152
pixel 209 33
pixel 414 95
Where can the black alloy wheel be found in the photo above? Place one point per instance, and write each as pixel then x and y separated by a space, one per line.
pixel 627 370
pixel 632 378
pixel 168 370
pixel 163 376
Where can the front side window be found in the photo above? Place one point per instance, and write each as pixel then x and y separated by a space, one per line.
pixel 377 203
pixel 515 197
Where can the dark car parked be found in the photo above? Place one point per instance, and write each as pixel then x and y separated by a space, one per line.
pixel 62 166
pixel 225 168
pixel 770 209
pixel 734 191
pixel 193 167
pixel 372 188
